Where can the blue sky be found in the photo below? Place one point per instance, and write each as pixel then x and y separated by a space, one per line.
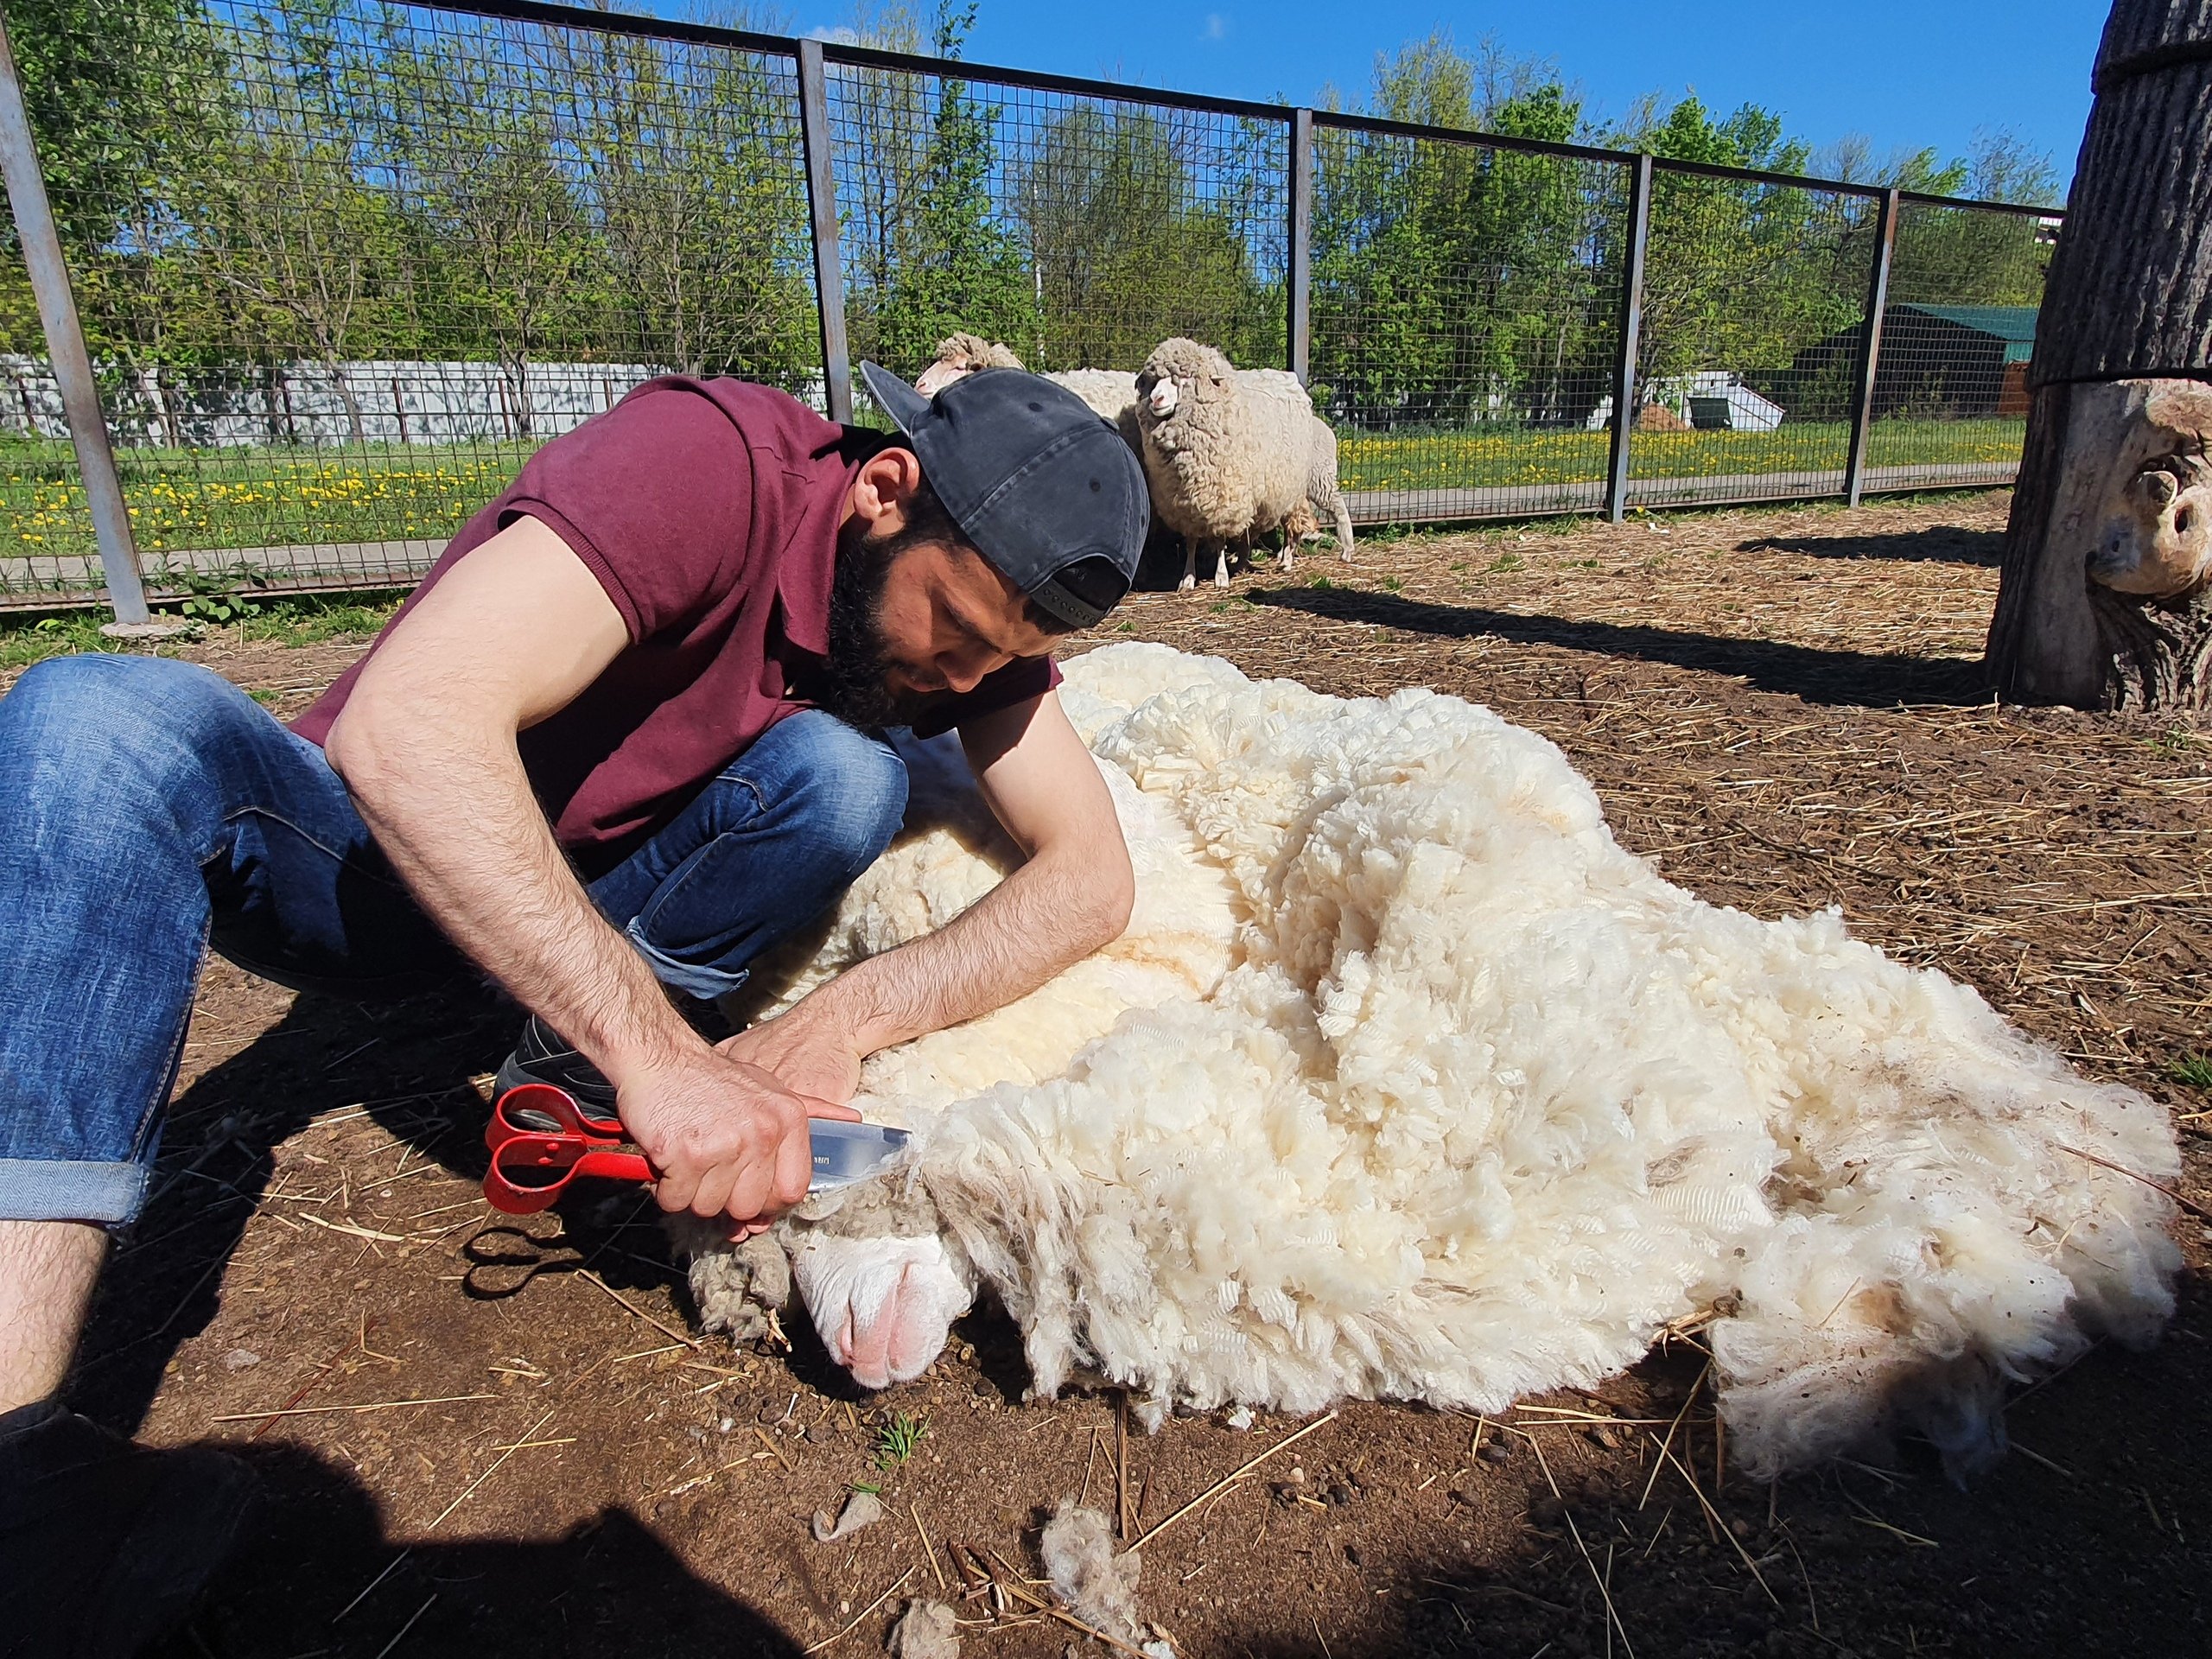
pixel 1905 72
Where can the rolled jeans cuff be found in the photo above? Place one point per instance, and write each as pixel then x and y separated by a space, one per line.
pixel 61 1189
pixel 705 983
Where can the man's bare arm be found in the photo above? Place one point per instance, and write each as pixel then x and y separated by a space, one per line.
pixel 1072 896
pixel 427 746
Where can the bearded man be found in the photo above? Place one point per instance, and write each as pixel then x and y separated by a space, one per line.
pixel 627 734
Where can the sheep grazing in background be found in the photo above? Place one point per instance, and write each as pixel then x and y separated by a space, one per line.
pixel 1408 1081
pixel 1230 456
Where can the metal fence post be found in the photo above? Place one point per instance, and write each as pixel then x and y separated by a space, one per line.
pixel 65 345
pixel 1631 325
pixel 1300 320
pixel 1870 351
pixel 822 208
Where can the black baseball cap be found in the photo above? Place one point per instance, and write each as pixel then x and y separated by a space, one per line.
pixel 1041 483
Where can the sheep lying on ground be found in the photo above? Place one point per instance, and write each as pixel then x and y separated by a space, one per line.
pixel 1406 1081
pixel 1229 456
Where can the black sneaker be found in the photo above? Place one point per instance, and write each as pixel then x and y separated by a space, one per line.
pixel 541 1056
pixel 104 1544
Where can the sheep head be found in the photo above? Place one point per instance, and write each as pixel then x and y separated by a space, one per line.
pixel 1180 371
pixel 959 356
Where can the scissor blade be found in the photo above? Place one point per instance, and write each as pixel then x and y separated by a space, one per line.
pixel 845 1152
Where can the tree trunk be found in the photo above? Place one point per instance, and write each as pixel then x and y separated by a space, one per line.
pixel 2108 555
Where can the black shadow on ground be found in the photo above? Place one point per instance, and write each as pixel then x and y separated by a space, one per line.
pixel 407 1063
pixel 1824 676
pixel 1937 544
pixel 606 1588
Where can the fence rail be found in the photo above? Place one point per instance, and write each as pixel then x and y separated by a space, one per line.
pixel 338 266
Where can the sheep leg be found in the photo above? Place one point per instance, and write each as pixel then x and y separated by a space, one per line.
pixel 1288 558
pixel 1220 565
pixel 1334 502
pixel 1190 565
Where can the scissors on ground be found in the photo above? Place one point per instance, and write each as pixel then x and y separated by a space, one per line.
pixel 540 1140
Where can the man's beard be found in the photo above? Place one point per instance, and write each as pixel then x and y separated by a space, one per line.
pixel 853 683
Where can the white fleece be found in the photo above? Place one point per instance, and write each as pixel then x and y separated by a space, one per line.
pixel 1406 1081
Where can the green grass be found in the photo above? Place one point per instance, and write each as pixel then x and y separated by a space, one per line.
pixel 305 620
pixel 195 500
pixel 186 500
pixel 1510 456
pixel 2195 1070
pixel 898 1439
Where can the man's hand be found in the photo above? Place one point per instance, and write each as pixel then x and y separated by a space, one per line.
pixel 728 1138
pixel 808 1056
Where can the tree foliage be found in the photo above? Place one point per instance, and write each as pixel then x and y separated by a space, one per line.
pixel 243 184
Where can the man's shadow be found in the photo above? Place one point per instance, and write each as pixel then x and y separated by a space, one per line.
pixel 404 1065
pixel 310 1575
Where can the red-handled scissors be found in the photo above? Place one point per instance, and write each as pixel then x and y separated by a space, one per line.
pixel 540 1140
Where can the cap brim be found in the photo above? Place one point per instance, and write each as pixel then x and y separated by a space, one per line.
pixel 905 405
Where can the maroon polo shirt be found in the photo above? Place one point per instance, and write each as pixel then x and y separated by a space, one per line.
pixel 709 510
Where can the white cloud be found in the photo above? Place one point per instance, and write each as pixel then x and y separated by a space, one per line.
pixel 843 35
pixel 1217 27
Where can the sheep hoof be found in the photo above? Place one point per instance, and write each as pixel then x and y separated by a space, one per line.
pixel 1190 581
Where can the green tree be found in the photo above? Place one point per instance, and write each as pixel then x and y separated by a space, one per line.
pixel 1458 281
pixel 959 265
pixel 1128 249
pixel 690 160
pixel 504 248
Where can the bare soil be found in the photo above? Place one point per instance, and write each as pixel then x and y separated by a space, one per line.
pixel 1783 707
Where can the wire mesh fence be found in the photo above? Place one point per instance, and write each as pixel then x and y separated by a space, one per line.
pixel 1755 300
pixel 1077 231
pixel 347 263
pixel 342 265
pixel 1467 304
pixel 1950 394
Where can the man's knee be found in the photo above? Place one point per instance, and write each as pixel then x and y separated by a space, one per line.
pixel 850 787
pixel 111 723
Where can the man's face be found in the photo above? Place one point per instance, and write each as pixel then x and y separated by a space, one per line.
pixel 910 620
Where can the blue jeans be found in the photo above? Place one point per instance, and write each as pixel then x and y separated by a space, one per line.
pixel 148 810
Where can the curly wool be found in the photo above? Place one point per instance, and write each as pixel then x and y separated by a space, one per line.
pixel 1239 454
pixel 1407 1081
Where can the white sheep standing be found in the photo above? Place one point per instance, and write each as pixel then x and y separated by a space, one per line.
pixel 1229 456
pixel 1406 1081
pixel 1113 394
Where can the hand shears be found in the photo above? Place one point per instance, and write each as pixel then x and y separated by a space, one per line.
pixel 540 1140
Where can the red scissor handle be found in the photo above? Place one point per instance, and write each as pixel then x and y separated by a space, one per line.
pixel 542 1110
pixel 540 1140
pixel 529 1172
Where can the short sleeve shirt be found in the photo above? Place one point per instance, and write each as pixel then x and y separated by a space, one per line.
pixel 709 510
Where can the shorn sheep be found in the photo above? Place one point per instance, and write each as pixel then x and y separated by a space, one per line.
pixel 1406 1081
pixel 1229 456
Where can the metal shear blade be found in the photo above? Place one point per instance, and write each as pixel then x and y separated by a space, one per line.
pixel 845 1152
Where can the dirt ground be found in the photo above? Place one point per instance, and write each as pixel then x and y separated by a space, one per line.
pixel 1783 707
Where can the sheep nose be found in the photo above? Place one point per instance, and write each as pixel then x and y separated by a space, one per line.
pixel 1163 398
